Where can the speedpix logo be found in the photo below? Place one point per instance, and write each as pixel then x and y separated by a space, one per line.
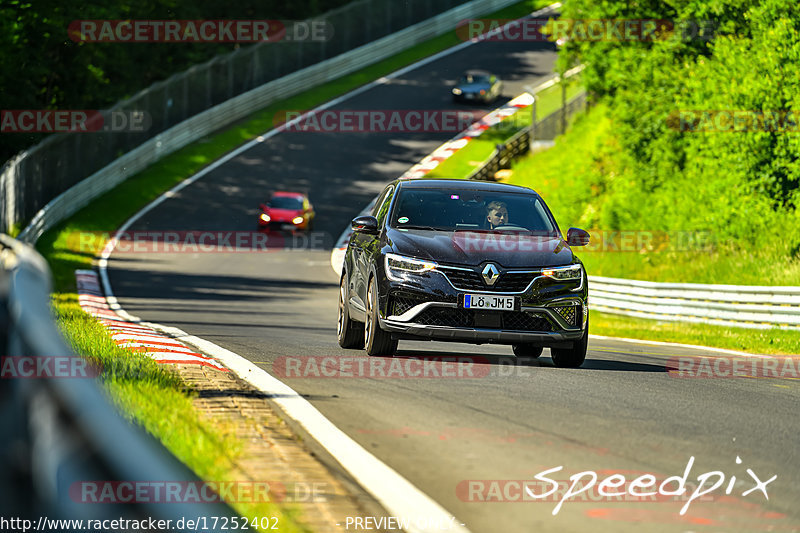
pixel 589 486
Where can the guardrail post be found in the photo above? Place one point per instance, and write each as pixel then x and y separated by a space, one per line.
pixel 563 106
pixel 532 137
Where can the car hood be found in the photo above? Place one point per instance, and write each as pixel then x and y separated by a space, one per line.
pixel 280 215
pixel 475 247
pixel 474 87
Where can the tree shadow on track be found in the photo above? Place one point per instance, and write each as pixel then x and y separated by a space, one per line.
pixel 511 360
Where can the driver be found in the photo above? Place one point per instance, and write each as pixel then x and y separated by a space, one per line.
pixel 497 214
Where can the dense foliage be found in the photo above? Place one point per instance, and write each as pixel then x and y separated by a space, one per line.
pixel 742 185
pixel 42 68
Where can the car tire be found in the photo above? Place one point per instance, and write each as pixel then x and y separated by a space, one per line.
pixel 571 357
pixel 376 341
pixel 527 350
pixel 349 334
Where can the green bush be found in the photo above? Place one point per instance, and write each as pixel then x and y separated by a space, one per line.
pixel 742 186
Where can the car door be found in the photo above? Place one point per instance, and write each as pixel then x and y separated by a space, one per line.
pixel 362 245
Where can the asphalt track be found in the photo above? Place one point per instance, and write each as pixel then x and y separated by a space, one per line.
pixel 620 413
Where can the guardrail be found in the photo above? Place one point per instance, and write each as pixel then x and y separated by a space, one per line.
pixel 724 305
pixel 17 202
pixel 57 432
pixel 502 156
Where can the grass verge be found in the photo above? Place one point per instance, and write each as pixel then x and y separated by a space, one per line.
pixel 765 341
pixel 145 392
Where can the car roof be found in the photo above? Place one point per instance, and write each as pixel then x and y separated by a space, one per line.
pixel 477 72
pixel 490 186
pixel 289 194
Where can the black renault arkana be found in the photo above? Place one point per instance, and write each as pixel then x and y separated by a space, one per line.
pixel 464 261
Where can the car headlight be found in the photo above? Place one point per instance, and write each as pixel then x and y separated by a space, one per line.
pixel 265 217
pixel 396 265
pixel 564 273
pixel 297 220
pixel 457 91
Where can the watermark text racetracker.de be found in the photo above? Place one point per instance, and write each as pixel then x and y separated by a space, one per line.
pixel 199 31
pixel 164 492
pixel 376 120
pixel 427 367
pixel 73 121
pixel 172 242
pixel 587 486
pixel 42 366
pixel 95 525
pixel 584 30
pixel 600 240
pixel 767 367
pixel 734 121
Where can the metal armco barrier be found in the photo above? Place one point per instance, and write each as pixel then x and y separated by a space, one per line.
pixel 503 155
pixel 724 305
pixel 51 181
pixel 56 432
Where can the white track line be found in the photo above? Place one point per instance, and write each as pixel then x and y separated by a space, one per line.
pixel 678 345
pixel 398 496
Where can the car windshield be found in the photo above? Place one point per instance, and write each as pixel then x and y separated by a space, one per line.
pixel 473 78
pixel 286 202
pixel 468 210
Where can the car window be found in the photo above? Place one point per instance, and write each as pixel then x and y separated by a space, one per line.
pixel 286 202
pixel 382 205
pixel 453 209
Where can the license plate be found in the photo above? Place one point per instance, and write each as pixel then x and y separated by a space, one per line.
pixel 488 301
pixel 288 226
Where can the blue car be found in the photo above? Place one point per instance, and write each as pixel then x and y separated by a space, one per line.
pixel 478 86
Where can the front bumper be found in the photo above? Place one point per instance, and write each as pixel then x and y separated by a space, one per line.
pixel 551 314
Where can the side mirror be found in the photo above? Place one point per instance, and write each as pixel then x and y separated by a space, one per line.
pixel 577 237
pixel 365 224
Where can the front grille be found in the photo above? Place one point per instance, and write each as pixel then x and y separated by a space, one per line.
pixel 465 318
pixel 449 317
pixel 465 279
pixel 470 280
pixel 569 312
pixel 514 282
pixel 402 302
pixel 522 321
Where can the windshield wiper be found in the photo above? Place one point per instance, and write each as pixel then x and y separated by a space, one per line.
pixel 415 226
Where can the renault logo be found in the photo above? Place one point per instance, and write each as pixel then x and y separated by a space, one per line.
pixel 490 274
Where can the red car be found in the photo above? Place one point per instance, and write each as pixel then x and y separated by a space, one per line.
pixel 287 211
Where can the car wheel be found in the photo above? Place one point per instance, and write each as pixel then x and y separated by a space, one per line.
pixel 376 341
pixel 571 357
pixel 347 331
pixel 527 350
